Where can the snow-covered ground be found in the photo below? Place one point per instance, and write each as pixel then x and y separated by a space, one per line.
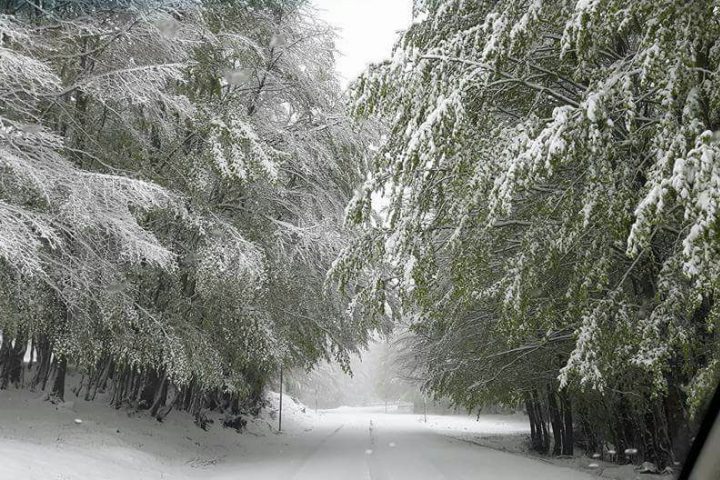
pixel 487 425
pixel 39 440
pixel 510 433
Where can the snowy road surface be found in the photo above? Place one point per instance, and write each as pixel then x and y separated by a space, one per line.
pixel 41 441
pixel 365 445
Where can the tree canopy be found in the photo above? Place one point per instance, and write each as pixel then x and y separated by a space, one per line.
pixel 174 177
pixel 551 170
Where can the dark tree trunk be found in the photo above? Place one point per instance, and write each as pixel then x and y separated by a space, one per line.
pixel 135 391
pixel 120 387
pixel 93 379
pixel 567 424
pixel 545 434
pixel 5 354
pixel 16 364
pixel 110 373
pixel 58 389
pixel 152 383
pixel 171 396
pixel 80 385
pixel 592 443
pixel 103 371
pixel 235 405
pixel 160 397
pixel 657 447
pixel 539 438
pixel 677 421
pixel 627 430
pixel 531 416
pixel 556 422
pixel 186 396
pixel 44 357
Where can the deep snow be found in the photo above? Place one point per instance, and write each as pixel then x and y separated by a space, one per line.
pixel 39 440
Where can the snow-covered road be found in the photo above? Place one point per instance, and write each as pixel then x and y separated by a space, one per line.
pixel 361 444
pixel 41 441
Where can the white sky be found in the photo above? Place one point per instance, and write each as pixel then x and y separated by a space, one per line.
pixel 367 30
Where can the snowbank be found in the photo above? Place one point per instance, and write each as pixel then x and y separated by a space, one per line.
pixel 39 440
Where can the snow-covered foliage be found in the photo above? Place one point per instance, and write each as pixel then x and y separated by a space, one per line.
pixel 44 193
pixel 552 167
pixel 173 182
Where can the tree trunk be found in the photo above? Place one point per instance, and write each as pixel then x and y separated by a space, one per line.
pixel 58 389
pixel 592 442
pixel 108 375
pixel 171 396
pixel 556 422
pixel 152 383
pixel 538 430
pixel 531 417
pixel 44 357
pixel 120 387
pixel 677 421
pixel 545 434
pixel 567 424
pixel 103 371
pixel 5 354
pixel 160 396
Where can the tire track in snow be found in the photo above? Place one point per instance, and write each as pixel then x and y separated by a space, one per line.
pixel 374 463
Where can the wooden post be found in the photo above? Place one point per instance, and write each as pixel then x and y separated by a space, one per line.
pixel 281 388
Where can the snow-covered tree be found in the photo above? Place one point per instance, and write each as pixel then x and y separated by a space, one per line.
pixel 551 172
pixel 176 180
